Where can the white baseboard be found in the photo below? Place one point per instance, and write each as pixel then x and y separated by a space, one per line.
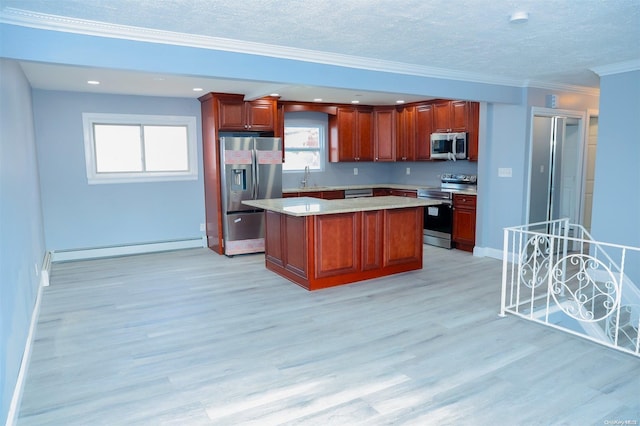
pixel 487 252
pixel 45 270
pixel 93 253
pixel 12 416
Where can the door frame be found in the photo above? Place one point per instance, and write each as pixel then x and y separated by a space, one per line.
pixel 553 112
pixel 591 112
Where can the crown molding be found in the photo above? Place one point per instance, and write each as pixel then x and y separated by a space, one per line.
pixel 620 67
pixel 25 18
pixel 44 21
pixel 590 91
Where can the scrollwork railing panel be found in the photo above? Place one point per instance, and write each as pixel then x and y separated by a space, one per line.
pixel 534 261
pixel 578 294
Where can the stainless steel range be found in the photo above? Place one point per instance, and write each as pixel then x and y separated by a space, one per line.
pixel 438 219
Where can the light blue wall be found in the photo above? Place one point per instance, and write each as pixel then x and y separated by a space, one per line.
pixel 78 215
pixel 502 145
pixel 76 49
pixel 616 194
pixel 22 244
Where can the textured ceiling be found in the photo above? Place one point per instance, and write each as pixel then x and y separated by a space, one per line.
pixel 560 44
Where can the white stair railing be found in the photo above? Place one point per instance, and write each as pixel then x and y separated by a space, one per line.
pixel 556 274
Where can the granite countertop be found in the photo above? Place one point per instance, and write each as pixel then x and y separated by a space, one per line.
pixel 343 187
pixel 308 206
pixel 405 186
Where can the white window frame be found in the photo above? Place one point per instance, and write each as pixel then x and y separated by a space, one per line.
pixel 321 148
pixel 94 177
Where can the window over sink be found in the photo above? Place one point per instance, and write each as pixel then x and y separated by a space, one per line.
pixel 304 141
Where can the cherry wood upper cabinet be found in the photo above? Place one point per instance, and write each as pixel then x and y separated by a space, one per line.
pixel 424 128
pixel 351 134
pixel 473 125
pixel 236 114
pixel 384 125
pixel 459 116
pixel 450 116
pixel 406 133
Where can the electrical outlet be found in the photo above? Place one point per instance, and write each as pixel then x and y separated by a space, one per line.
pixel 355 171
pixel 408 170
pixel 202 228
pixel 504 172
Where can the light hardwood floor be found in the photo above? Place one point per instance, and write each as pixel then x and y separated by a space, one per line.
pixel 193 338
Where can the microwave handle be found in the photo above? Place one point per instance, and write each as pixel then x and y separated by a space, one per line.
pixel 454 147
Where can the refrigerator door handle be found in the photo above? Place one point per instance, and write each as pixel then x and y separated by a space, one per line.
pixel 256 176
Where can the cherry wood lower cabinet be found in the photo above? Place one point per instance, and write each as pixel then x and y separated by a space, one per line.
pixel 404 193
pixel 325 195
pixel 464 222
pixel 322 251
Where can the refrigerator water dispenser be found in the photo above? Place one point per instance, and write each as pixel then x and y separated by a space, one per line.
pixel 239 180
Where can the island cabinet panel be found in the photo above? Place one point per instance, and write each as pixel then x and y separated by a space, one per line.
pixel 273 243
pixel 327 250
pixel 372 244
pixel 295 249
pixel 402 243
pixel 337 256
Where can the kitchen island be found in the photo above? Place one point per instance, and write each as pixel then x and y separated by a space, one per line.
pixel 323 243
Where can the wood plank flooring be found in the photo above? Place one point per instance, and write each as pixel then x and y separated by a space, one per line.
pixel 193 338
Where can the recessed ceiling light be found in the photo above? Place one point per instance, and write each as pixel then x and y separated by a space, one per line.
pixel 94 82
pixel 197 89
pixel 355 101
pixel 274 94
pixel 519 17
pixel 399 101
pixel 317 100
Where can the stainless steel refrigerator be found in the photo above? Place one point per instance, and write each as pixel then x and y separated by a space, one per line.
pixel 251 169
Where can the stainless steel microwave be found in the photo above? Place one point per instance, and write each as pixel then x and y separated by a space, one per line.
pixel 449 146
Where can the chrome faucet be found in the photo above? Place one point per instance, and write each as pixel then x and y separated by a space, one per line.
pixel 305 180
